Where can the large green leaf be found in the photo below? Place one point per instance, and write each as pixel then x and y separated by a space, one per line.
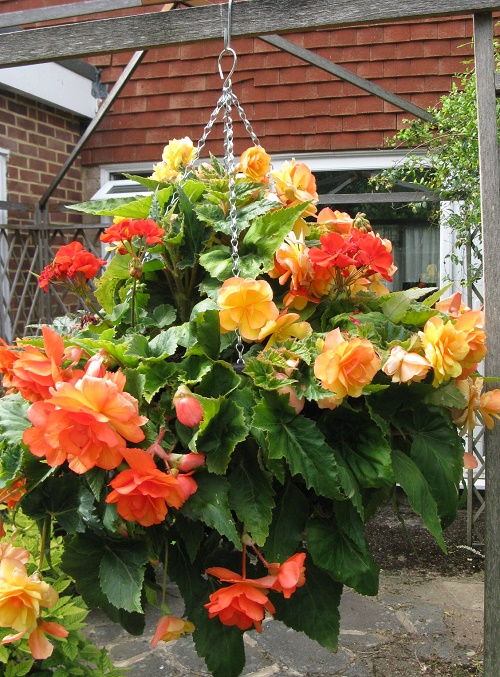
pixel 300 442
pixel 210 504
pixel 396 304
pixel 287 526
pixel 437 450
pixel 11 458
pixel 121 573
pixel 416 487
pixel 62 498
pixel 13 418
pixel 251 496
pixel 207 334
pixel 128 207
pixel 220 380
pixel 196 233
pixel 116 273
pixel 313 608
pixel 342 551
pixel 217 261
pixel 223 426
pixel 221 646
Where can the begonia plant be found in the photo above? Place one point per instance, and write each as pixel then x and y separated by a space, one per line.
pixel 231 408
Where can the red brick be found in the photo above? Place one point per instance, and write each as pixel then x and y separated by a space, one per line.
pixel 303 126
pixel 369 35
pixel 426 30
pixel 200 50
pixel 292 144
pixel 397 33
pixel 437 83
pixel 451 65
pixel 281 93
pixel 293 75
pixel 344 36
pixel 267 77
pixel 383 121
pixel 291 109
pixel 317 142
pixel 332 89
pixel 437 48
pixel 398 68
pixel 452 28
pixel 314 39
pixel 316 107
pixel 264 110
pixel 368 104
pixel 185 100
pixel 425 66
pixel 277 127
pixel 409 50
pixel 382 52
pixel 356 53
pixel 355 123
pixel 410 85
pixel 328 124
pixel 371 69
pixel 369 140
pixel 424 100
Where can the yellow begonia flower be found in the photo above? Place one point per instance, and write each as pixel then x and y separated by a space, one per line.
pixel 445 348
pixel 246 305
pixel 345 367
pixel 178 153
pixel 22 596
pixel 285 327
pixel 255 164
pixel 295 183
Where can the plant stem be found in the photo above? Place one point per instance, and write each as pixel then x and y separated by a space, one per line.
pixel 164 580
pixel 132 303
pixel 244 562
pixel 43 542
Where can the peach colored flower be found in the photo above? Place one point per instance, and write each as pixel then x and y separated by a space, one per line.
pixel 470 461
pixel 38 643
pixel 9 551
pixel 143 492
pixel 255 164
pixel 284 327
pixel 452 306
pixel 11 495
pixel 295 183
pixel 445 348
pixel 187 408
pixel 85 423
pixel 22 596
pixel 345 367
pixel 169 628
pixel 471 323
pixel 243 603
pixel 487 404
pixel 329 220
pixel 292 262
pixel 290 575
pixel 405 367
pixel 246 305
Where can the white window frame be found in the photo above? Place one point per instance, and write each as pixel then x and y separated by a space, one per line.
pixel 4 281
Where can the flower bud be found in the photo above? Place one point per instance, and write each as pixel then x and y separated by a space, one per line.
pixel 135 269
pixel 187 407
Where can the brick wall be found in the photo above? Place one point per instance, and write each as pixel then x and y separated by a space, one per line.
pixel 293 107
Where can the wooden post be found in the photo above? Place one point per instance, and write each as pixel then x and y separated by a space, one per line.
pixel 490 216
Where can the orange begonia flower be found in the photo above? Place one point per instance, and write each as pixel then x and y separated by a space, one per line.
pixel 243 603
pixel 471 323
pixel 38 643
pixel 284 327
pixel 143 492
pixel 35 371
pixel 85 423
pixel 444 347
pixel 336 221
pixel 292 261
pixel 255 164
pixel 345 367
pixel 11 495
pixel 290 575
pixel 246 305
pixel 487 404
pixel 22 596
pixel 295 183
pixel 405 367
pixel 169 628
pixel 7 550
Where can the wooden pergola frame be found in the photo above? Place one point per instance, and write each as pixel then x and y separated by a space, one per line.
pixel 256 18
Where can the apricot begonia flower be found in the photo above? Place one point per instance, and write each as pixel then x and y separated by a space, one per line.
pixel 283 328
pixel 255 164
pixel 345 367
pixel 85 423
pixel 292 261
pixel 169 628
pixel 444 347
pixel 452 306
pixel 295 183
pixel 246 305
pixel 38 643
pixel 405 367
pixel 290 575
pixel 9 551
pixel 243 603
pixel 22 596
pixel 143 492
pixel 11 495
pixel 329 220
pixel 35 371
pixel 487 404
pixel 471 324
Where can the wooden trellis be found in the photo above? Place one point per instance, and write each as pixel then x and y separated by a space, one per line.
pixel 255 18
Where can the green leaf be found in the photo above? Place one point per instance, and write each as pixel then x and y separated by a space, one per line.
pixel 13 418
pixel 164 315
pixel 313 608
pixel 342 553
pixel 156 375
pixel 396 304
pixel 416 487
pixel 122 573
pixel 437 450
pixel 196 233
pixel 192 534
pixel 217 261
pixel 165 343
pixel 115 274
pixel 251 497
pixel 219 381
pixel 19 669
pixel 287 526
pixel 221 646
pixel 223 426
pixel 448 396
pixel 128 207
pixel 207 334
pixel 300 442
pixel 11 458
pixel 210 505
pixel 135 382
pixel 418 314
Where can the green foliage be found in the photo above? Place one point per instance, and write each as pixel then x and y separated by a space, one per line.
pixel 450 166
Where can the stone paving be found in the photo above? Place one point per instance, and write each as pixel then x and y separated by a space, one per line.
pixel 417 625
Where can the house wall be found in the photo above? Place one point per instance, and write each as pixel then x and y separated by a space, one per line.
pixel 293 107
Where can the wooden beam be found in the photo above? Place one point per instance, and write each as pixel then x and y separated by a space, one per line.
pixel 250 18
pixel 375 198
pixel 490 216
pixel 347 75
